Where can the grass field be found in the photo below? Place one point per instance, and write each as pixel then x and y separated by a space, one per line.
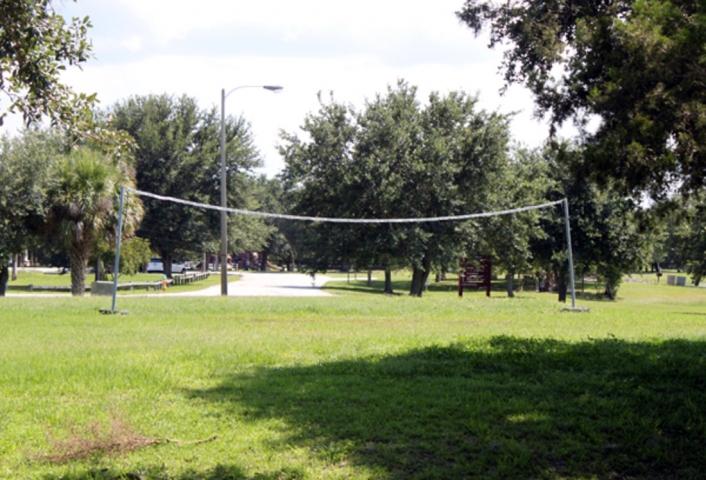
pixel 26 278
pixel 360 385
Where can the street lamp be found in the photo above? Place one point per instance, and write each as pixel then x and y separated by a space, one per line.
pixel 224 217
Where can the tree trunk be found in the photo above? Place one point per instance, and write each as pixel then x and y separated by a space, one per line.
pixel 4 276
pixel 561 285
pixel 204 263
pixel 388 281
pixel 370 278
pixel 420 277
pixel 508 285
pixel 15 260
pixel 78 274
pixel 100 271
pixel 416 287
pixel 167 264
pixel 549 284
pixel 265 257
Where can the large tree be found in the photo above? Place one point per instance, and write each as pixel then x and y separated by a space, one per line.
pixel 26 166
pixel 36 44
pixel 84 206
pixel 317 180
pixel 178 155
pixel 270 194
pixel 397 159
pixel 636 65
pixel 684 237
pixel 605 234
pixel 508 238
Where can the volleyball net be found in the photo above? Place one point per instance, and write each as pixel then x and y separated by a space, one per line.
pixel 338 220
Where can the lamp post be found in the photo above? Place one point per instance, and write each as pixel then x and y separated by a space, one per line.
pixel 224 216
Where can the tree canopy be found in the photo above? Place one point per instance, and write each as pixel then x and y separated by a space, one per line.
pixel 178 155
pixel 637 65
pixel 605 236
pixel 36 44
pixel 83 206
pixel 396 159
pixel 26 166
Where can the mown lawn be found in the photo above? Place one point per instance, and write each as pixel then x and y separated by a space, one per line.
pixel 55 279
pixel 360 385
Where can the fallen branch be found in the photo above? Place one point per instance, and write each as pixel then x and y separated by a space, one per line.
pixel 118 440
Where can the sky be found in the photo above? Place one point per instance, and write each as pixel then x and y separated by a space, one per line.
pixel 352 49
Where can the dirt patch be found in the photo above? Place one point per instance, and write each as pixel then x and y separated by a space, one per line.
pixel 99 440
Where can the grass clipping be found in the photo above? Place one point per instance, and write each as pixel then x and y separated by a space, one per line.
pixel 115 439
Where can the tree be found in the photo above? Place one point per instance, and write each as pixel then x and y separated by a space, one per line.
pixel 248 232
pixel 178 155
pixel 397 159
pixel 460 162
pixel 636 65
pixel 36 44
pixel 683 238
pixel 272 198
pixel 84 206
pixel 317 179
pixel 507 238
pixel 135 253
pixel 605 235
pixel 26 163
pixel 388 141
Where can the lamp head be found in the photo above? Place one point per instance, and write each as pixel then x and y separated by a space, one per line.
pixel 273 88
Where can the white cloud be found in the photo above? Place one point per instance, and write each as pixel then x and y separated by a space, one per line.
pixel 132 44
pixel 171 19
pixel 381 30
pixel 352 79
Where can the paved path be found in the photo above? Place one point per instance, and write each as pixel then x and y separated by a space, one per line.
pixel 249 285
pixel 268 285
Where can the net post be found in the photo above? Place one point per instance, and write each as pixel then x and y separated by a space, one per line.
pixel 571 257
pixel 116 264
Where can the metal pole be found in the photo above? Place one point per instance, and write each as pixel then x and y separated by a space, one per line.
pixel 116 264
pixel 571 257
pixel 224 217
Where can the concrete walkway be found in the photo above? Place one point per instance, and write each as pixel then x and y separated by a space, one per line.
pixel 267 285
pixel 249 285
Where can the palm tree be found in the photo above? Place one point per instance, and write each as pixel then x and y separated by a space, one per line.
pixel 84 206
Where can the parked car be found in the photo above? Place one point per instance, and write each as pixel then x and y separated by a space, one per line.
pixel 155 266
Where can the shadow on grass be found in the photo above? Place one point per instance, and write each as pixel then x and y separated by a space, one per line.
pixel 401 287
pixel 220 472
pixel 17 288
pixel 505 408
pixel 589 297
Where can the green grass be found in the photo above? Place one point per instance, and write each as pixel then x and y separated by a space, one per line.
pixel 26 278
pixel 360 385
pixel 651 277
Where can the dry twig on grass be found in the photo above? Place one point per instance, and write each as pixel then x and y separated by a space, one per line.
pixel 116 439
